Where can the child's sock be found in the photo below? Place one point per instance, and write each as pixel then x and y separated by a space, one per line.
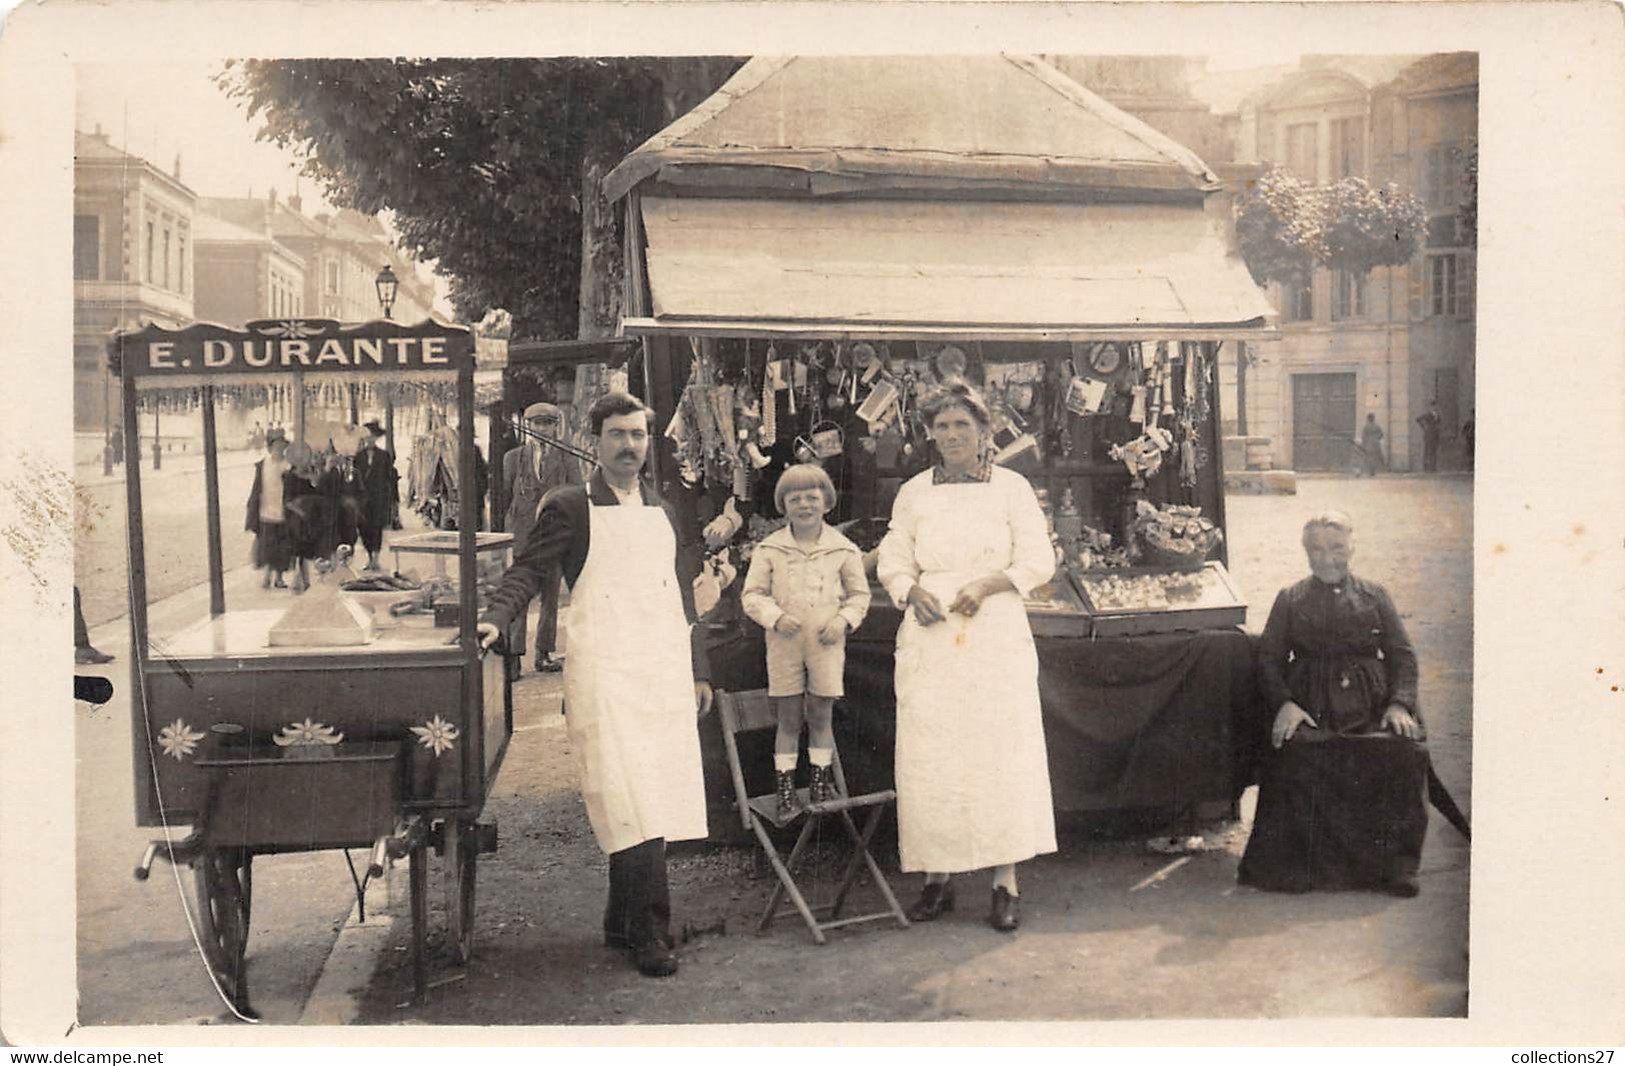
pixel 785 764
pixel 820 756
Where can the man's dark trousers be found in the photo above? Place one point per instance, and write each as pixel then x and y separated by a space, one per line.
pixel 639 907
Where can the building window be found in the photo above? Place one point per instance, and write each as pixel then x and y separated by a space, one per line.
pixel 1348 148
pixel 1303 151
pixel 332 277
pixel 1442 178
pixel 1441 284
pixel 150 252
pixel 181 242
pixel 1348 295
pixel 167 241
pixel 87 248
pixel 1300 301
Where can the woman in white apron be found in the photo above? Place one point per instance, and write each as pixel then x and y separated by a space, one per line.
pixel 967 542
pixel 634 675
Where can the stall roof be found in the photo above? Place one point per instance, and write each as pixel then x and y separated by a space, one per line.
pixel 940 269
pixel 826 125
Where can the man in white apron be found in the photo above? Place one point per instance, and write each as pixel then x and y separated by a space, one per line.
pixel 635 675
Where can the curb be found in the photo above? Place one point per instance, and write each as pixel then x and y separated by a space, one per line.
pixel 353 960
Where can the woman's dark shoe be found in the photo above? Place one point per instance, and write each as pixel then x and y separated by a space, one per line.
pixel 548 665
pixel 935 900
pixel 85 655
pixel 823 785
pixel 653 959
pixel 787 793
pixel 1006 913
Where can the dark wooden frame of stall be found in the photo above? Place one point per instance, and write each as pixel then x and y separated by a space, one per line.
pixel 242 794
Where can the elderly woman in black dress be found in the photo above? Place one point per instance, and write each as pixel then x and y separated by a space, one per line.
pixel 1342 800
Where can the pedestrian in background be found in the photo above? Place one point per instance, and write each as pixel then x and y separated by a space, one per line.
pixel 1468 432
pixel 377 486
pixel 1430 423
pixel 529 472
pixel 267 510
pixel 1371 445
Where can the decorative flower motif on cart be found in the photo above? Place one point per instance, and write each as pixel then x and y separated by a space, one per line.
pixel 438 735
pixel 306 734
pixel 178 739
pixel 293 329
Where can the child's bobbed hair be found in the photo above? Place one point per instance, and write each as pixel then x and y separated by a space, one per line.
pixel 804 476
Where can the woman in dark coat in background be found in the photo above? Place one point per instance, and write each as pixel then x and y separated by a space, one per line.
pixel 376 488
pixel 1341 802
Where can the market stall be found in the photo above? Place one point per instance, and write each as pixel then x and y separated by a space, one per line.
pixel 358 714
pixel 800 276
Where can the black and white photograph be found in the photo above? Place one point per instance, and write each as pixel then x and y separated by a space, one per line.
pixel 603 534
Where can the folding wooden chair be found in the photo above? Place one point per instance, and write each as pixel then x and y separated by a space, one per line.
pixel 745 712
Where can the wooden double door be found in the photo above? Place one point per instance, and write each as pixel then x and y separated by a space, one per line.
pixel 1323 422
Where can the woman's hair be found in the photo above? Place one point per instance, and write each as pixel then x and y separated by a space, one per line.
pixel 804 476
pixel 613 405
pixel 1329 520
pixel 955 394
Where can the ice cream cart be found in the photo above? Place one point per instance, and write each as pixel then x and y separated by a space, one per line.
pixel 359 714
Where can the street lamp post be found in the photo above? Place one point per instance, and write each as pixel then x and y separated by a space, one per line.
pixel 386 285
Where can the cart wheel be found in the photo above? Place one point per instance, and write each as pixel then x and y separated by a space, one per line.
pixel 458 855
pixel 224 878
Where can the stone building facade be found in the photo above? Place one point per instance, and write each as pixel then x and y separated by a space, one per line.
pixel 133 262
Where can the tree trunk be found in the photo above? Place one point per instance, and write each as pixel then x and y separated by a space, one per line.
pixel 1242 352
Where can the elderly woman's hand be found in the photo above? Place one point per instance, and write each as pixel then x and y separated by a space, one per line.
pixel 1287 721
pixel 1399 720
pixel 927 608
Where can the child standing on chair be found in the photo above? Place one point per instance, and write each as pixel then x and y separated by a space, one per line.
pixel 807 588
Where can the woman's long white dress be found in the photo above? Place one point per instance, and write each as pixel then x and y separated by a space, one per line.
pixel 972 772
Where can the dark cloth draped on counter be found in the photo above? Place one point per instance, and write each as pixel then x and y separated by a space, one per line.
pixel 1151 721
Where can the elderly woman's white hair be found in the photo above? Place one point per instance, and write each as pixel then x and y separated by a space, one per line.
pixel 1330 519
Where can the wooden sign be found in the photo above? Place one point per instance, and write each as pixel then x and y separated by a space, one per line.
pixel 273 347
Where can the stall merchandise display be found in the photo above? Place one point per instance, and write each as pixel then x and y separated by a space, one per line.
pixel 1137 600
pixel 1064 415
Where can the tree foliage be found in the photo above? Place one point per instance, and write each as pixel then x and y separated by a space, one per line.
pixel 478 160
pixel 1286 227
pixel 1277 228
pixel 1363 228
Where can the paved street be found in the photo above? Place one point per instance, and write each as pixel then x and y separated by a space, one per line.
pixel 175 525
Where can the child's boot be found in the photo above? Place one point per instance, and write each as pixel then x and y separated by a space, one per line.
pixel 823 775
pixel 787 793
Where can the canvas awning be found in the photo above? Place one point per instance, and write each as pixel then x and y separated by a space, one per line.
pixel 938 270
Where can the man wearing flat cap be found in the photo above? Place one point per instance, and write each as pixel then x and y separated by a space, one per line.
pixel 377 486
pixel 528 473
